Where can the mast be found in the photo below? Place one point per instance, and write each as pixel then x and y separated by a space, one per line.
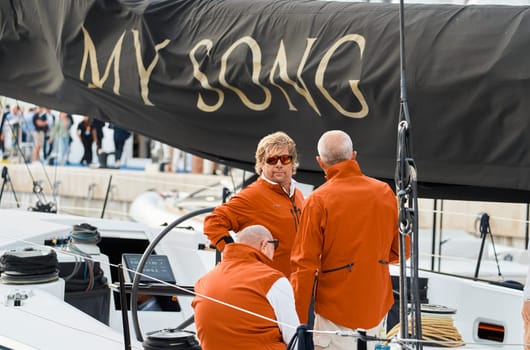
pixel 406 191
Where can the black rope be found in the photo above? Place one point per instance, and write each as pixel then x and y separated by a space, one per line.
pixel 302 338
pixel 13 262
pixel 85 233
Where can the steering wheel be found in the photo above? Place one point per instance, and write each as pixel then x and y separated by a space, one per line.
pixel 143 260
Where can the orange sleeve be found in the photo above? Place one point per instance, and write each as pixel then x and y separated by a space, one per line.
pixel 218 224
pixel 233 215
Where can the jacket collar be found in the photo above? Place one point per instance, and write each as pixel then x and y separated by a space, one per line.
pixel 276 185
pixel 344 168
pixel 241 251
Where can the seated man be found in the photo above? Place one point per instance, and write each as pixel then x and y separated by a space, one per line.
pixel 245 280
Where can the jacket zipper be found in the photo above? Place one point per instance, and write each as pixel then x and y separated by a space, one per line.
pixel 295 211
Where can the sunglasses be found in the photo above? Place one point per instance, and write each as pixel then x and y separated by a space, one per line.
pixel 284 158
pixel 275 242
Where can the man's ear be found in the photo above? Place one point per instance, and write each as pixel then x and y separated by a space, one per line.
pixel 353 155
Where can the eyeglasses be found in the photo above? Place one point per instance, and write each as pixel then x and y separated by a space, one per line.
pixel 284 158
pixel 274 242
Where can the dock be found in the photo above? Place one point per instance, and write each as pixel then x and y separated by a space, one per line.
pixel 509 221
pixel 94 183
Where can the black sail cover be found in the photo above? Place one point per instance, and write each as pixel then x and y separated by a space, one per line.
pixel 213 77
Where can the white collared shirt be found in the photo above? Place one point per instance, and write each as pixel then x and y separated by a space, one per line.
pixel 292 188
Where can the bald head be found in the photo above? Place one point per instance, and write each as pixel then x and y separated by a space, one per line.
pixel 257 236
pixel 253 235
pixel 335 146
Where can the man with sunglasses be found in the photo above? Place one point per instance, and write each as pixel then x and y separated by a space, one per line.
pixel 348 235
pixel 272 200
pixel 246 281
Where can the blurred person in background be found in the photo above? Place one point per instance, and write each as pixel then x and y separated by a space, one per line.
pixel 60 136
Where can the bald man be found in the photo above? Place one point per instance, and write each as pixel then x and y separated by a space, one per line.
pixel 348 235
pixel 246 280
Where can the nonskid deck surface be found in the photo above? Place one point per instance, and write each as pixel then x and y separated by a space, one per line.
pixel 45 306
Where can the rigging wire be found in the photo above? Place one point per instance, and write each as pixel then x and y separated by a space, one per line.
pixel 406 191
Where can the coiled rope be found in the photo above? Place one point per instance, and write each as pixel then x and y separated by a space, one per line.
pixel 29 266
pixel 85 233
pixel 437 331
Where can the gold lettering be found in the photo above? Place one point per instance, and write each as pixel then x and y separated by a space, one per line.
pixel 145 74
pixel 90 53
pixel 256 68
pixel 203 79
pixel 281 64
pixel 354 84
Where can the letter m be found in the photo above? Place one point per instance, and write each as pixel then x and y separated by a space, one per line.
pixel 90 55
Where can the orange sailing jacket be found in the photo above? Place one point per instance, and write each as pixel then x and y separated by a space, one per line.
pixel 260 203
pixel 242 279
pixel 348 234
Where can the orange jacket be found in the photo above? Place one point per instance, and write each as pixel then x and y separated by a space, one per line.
pixel 348 233
pixel 242 279
pixel 260 203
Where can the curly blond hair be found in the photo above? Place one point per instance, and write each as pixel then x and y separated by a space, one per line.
pixel 271 145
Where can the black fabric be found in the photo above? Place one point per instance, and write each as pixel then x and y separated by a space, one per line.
pixel 120 136
pixel 509 284
pixel 393 314
pixel 82 278
pixel 86 291
pixel 41 117
pixel 29 264
pixel 226 239
pixel 96 303
pixel 169 339
pixel 197 75
pixel 4 116
pixel 302 339
pixel 98 127
pixel 361 343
